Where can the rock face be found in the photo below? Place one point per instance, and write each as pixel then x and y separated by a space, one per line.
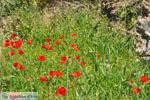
pixel 143 33
pixel 113 8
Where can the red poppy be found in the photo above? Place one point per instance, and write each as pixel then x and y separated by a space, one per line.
pixel 21 52
pixel 47 40
pixel 61 91
pixel 130 81
pixel 41 58
pixel 19 66
pixel 16 44
pixel 57 42
pixel 43 78
pixel 62 62
pixel 15 64
pixel 56 73
pixel 50 48
pixel 43 46
pixel 73 45
pixel 61 37
pixel 76 48
pixel 12 35
pixel 144 79
pixel 20 41
pixel 6 44
pixel 7 41
pixel 73 35
pixel 82 63
pixel 76 58
pixel 12 43
pixel 47 47
pixel 64 58
pixel 29 78
pixel 29 42
pixel 11 53
pixel 135 91
pixel 98 56
pixel 76 74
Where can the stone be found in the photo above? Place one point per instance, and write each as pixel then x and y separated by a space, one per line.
pixel 143 27
pixel 143 38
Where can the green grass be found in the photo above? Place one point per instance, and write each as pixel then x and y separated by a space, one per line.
pixel 101 79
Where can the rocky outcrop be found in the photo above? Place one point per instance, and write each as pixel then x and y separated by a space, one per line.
pixel 143 32
pixel 124 13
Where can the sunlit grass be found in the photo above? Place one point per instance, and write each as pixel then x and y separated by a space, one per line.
pixel 104 78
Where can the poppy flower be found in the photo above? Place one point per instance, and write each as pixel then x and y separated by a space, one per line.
pixel 7 41
pixel 11 53
pixel 76 74
pixel 73 45
pixel 13 35
pixel 144 79
pixel 76 48
pixel 137 90
pixel 62 62
pixel 61 91
pixel 58 73
pixel 64 58
pixel 76 58
pixel 55 73
pixel 47 47
pixel 16 44
pixel 6 44
pixel 82 63
pixel 73 35
pixel 98 56
pixel 61 37
pixel 43 78
pixel 29 42
pixel 29 78
pixel 43 46
pixel 130 81
pixel 41 58
pixel 21 52
pixel 20 41
pixel 57 42
pixel 47 40
pixel 15 64
pixel 19 66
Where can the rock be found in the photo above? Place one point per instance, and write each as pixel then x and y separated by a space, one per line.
pixel 143 36
pixel 143 27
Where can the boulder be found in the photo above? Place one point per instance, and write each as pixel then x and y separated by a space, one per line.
pixel 143 34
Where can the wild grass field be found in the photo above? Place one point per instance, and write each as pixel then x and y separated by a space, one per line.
pixel 77 56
